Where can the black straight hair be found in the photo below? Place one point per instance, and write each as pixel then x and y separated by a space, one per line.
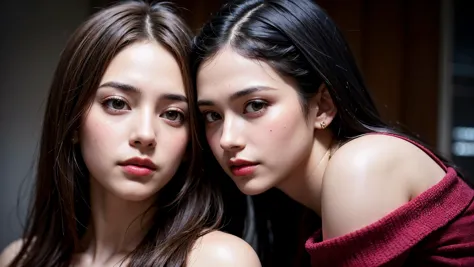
pixel 299 40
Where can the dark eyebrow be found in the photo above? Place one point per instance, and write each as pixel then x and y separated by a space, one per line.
pixel 130 88
pixel 205 103
pixel 121 86
pixel 174 97
pixel 249 91
pixel 237 94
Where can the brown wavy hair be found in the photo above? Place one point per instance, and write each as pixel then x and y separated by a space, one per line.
pixel 186 208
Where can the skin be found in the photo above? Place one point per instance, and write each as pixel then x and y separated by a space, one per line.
pixel 349 186
pixel 123 124
pixel 139 110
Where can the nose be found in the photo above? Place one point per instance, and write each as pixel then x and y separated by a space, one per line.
pixel 144 133
pixel 231 138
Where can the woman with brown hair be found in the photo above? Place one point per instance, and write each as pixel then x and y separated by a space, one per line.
pixel 119 179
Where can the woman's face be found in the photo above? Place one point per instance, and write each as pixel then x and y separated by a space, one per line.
pixel 255 124
pixel 135 134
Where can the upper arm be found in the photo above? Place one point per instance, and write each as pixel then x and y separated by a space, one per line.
pixel 218 249
pixel 10 252
pixel 363 183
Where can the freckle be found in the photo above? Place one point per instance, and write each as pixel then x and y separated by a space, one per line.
pixel 271 130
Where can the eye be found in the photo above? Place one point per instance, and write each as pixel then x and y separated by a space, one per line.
pixel 173 115
pixel 211 116
pixel 115 104
pixel 255 106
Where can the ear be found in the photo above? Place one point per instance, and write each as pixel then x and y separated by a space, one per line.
pixel 322 108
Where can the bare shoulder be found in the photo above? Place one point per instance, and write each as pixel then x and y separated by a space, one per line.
pixel 371 176
pixel 387 158
pixel 224 250
pixel 10 252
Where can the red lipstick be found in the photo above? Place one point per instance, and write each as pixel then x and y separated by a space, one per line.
pixel 138 166
pixel 240 167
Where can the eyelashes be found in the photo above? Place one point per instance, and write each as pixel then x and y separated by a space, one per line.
pixel 117 105
pixel 255 106
pixel 174 116
pixel 252 108
pixel 211 116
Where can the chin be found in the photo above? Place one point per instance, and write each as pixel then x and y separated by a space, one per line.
pixel 136 198
pixel 253 186
pixel 134 193
pixel 133 196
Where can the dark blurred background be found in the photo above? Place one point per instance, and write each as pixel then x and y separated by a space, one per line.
pixel 417 57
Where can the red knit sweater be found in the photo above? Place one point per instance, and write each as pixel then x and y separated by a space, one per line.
pixel 434 229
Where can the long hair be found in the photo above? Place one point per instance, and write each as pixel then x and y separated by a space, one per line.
pixel 299 40
pixel 186 208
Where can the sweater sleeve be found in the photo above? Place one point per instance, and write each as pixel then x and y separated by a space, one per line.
pixel 388 241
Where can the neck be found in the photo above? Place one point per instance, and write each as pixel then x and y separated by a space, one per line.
pixel 117 225
pixel 304 185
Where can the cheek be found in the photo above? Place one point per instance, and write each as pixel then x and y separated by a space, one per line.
pixel 281 125
pixel 173 143
pixel 213 139
pixel 98 138
pixel 97 134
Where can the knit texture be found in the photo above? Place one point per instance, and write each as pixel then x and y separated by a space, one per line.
pixel 434 229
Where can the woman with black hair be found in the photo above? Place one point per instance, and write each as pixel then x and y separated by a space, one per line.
pixel 286 107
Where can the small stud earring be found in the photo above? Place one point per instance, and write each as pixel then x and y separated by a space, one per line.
pixel 323 125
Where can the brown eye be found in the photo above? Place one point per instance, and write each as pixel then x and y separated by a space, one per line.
pixel 212 116
pixel 116 104
pixel 255 106
pixel 173 115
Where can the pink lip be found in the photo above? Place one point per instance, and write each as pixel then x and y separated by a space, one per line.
pixel 240 167
pixel 138 166
pixel 137 170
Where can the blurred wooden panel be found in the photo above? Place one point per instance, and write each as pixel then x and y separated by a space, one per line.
pixel 396 44
pixel 348 16
pixel 419 91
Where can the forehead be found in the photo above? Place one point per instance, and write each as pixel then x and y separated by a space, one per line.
pixel 145 65
pixel 228 70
